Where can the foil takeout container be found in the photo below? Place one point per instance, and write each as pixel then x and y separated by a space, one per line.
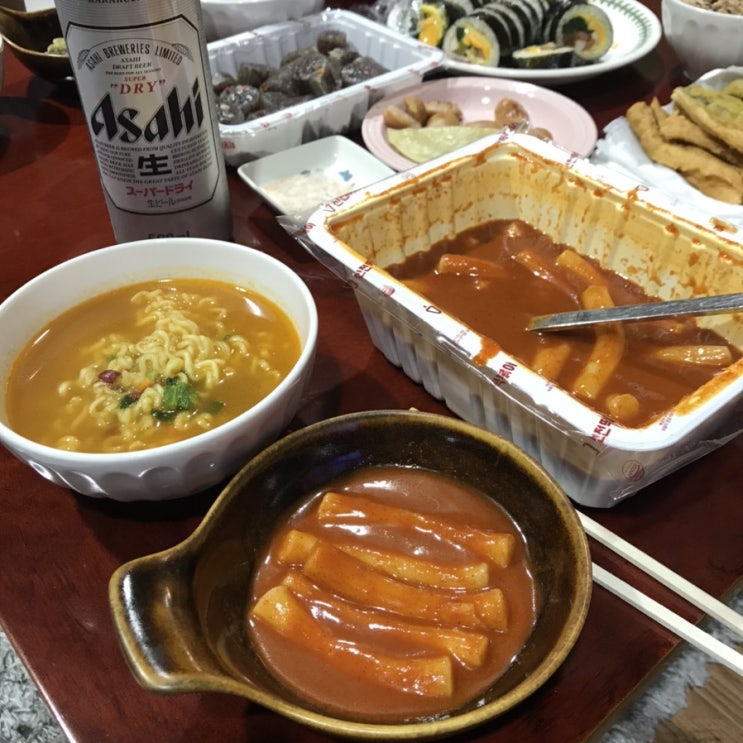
pixel 406 60
pixel 629 228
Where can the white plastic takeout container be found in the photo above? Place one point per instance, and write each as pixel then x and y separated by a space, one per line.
pixel 229 17
pixel 406 60
pixel 630 229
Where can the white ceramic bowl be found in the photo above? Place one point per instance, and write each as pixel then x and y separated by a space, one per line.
pixel 703 39
pixel 191 465
pixel 227 17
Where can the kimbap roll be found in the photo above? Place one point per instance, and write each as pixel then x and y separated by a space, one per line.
pixel 587 29
pixel 435 18
pixel 552 15
pixel 544 57
pixel 500 15
pixel 473 41
pixel 486 36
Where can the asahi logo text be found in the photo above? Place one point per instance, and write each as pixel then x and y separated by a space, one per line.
pixel 171 119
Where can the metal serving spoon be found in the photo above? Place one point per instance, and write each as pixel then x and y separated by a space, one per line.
pixel 717 305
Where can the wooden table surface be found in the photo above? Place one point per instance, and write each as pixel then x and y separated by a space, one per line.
pixel 58 549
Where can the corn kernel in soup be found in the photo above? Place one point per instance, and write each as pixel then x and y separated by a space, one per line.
pixel 149 364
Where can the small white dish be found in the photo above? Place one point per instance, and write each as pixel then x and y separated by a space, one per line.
pixel 571 126
pixel 298 180
pixel 637 31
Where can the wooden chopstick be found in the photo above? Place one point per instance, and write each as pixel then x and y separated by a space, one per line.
pixel 650 607
pixel 684 588
pixel 670 620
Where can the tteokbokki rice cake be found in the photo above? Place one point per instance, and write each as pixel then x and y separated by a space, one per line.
pixel 412 591
pixel 152 369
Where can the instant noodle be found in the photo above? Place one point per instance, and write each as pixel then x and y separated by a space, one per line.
pixel 149 364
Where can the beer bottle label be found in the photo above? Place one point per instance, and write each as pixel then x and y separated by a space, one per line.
pixel 145 96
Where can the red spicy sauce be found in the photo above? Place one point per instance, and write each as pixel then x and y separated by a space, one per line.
pixel 350 690
pixel 500 307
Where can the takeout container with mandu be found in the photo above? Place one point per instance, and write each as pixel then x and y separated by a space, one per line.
pixel 191 465
pixel 406 60
pixel 629 229
pixel 198 639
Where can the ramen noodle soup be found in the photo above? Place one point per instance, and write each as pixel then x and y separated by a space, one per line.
pixel 394 594
pixel 147 365
pixel 496 277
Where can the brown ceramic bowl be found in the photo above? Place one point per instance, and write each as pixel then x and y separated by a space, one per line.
pixel 29 35
pixel 197 640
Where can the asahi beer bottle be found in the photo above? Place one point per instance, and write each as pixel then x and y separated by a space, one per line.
pixel 143 77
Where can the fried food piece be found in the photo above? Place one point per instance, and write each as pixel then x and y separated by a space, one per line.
pixel 443 119
pixel 679 128
pixel 416 108
pixel 717 112
pixel 444 107
pixel 510 114
pixel 711 175
pixel 395 117
pixel 734 87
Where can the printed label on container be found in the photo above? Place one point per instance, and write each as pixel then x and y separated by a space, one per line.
pixel 145 95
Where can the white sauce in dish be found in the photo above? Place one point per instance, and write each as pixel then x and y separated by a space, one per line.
pixel 302 192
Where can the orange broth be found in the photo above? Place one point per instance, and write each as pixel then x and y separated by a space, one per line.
pixel 520 277
pixel 59 351
pixel 437 508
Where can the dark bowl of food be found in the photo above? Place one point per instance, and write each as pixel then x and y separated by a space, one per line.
pixel 36 40
pixel 380 575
